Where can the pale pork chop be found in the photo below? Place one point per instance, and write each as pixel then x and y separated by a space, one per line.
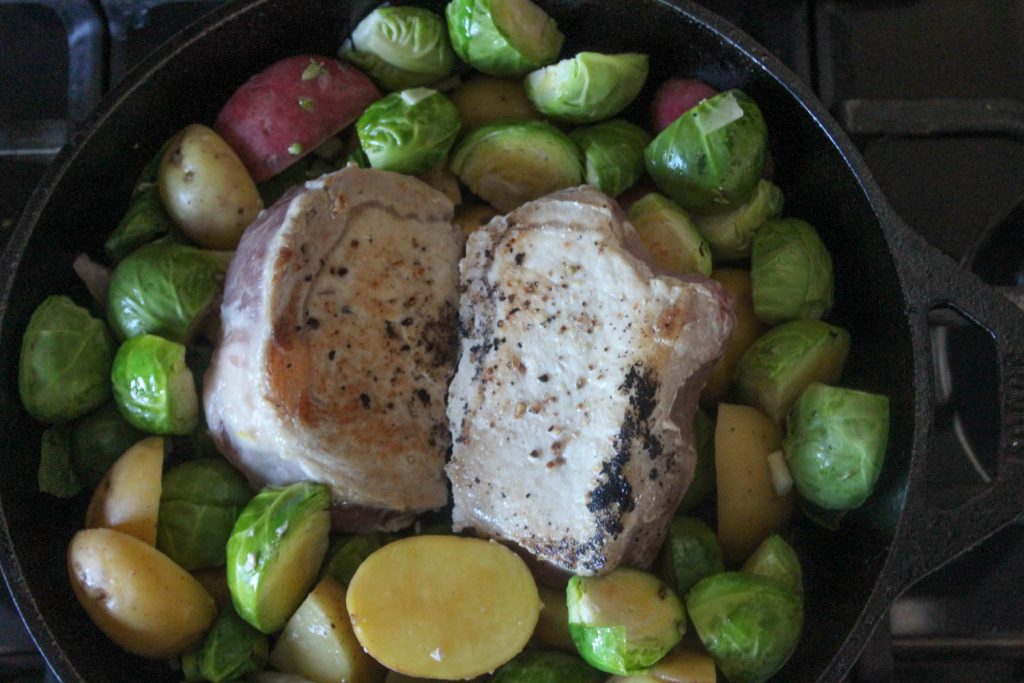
pixel 572 357
pixel 338 342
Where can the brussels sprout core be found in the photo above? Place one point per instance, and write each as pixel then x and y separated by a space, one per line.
pixel 589 87
pixel 625 621
pixel 400 47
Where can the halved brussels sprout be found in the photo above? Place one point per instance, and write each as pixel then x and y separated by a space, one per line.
pixel 669 234
pixel 711 158
pixel 153 386
pixel 511 162
pixel 56 474
pixel 588 87
pixel 785 360
pixel 624 621
pixel 275 551
pixel 702 486
pixel 791 272
pixel 146 219
pixel 199 504
pixel 232 649
pixel 400 47
pixel 409 131
pixel 775 559
pixel 347 552
pixel 164 288
pixel 835 445
pixel 546 666
pixel 691 553
pixel 64 369
pixel 613 154
pixel 503 37
pixel 98 440
pixel 731 233
pixel 485 99
pixel 749 624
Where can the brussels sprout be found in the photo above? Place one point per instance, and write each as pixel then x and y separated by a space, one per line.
pixel 64 370
pixel 97 440
pixel 711 158
pixel 503 37
pixel 485 99
pixel 347 552
pixel 749 624
pixel 669 234
pixel 56 474
pixel 791 272
pixel 613 154
pixel 153 387
pixel 835 444
pixel 164 288
pixel 588 87
pixel 199 504
pixel 703 484
pixel 776 560
pixel 624 621
pixel 731 233
pixel 511 162
pixel 275 551
pixel 146 219
pixel 232 649
pixel 307 168
pixel 190 667
pixel 785 360
pixel 691 553
pixel 400 47
pixel 546 666
pixel 408 132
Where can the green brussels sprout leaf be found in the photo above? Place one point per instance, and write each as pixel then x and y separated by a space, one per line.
pixel 731 233
pixel 347 552
pixel 153 387
pixel 613 154
pixel 97 440
pixel 835 445
pixel 401 47
pixel 146 219
pixel 64 369
pixel 503 37
pixel 790 271
pixel 409 131
pixel 275 552
pixel 547 666
pixel 232 649
pixel 702 486
pixel 625 621
pixel 589 87
pixel 691 553
pixel 56 473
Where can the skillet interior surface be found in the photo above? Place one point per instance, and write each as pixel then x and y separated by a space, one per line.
pixel 88 190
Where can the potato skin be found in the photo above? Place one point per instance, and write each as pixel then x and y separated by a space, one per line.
pixel 282 113
pixel 136 595
pixel 205 188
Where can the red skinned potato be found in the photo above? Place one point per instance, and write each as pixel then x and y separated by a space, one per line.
pixel 285 111
pixel 675 97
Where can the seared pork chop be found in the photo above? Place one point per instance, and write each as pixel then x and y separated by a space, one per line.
pixel 338 343
pixel 572 357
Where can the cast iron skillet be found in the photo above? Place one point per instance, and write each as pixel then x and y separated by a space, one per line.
pixel 887 281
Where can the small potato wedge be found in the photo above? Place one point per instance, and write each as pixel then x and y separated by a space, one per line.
pixel 136 595
pixel 748 508
pixel 443 606
pixel 318 644
pixel 746 331
pixel 206 189
pixel 128 497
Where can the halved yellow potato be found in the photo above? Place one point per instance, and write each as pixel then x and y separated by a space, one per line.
pixel 318 644
pixel 128 497
pixel 746 331
pixel 443 606
pixel 142 600
pixel 749 510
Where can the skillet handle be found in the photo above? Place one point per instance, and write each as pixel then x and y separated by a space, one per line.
pixel 931 535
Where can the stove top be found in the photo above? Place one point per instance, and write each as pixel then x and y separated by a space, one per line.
pixel 931 91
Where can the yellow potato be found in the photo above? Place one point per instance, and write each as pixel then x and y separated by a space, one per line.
pixel 484 99
pixel 748 328
pixel 443 606
pixel 445 182
pixel 553 624
pixel 748 508
pixel 685 664
pixel 206 189
pixel 136 595
pixel 318 644
pixel 470 217
pixel 128 497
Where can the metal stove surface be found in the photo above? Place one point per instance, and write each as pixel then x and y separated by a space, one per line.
pixel 932 91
